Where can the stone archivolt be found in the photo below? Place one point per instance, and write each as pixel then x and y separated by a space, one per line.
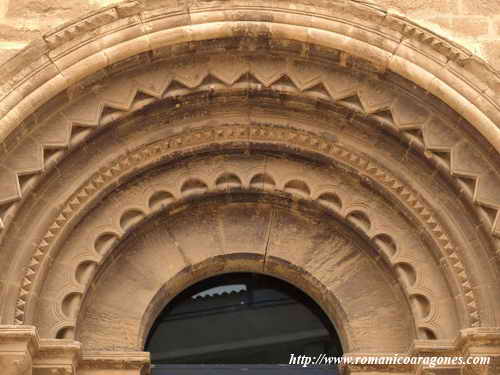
pixel 138 207
pixel 108 175
pixel 345 114
pixel 124 96
pixel 404 114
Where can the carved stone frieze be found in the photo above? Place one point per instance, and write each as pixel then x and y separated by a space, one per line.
pixel 107 175
pixel 332 144
pixel 439 142
pixel 244 174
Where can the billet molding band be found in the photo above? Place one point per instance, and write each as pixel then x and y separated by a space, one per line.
pixel 289 137
pixel 54 138
pixel 261 182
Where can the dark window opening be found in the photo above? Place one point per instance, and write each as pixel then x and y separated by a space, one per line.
pixel 240 318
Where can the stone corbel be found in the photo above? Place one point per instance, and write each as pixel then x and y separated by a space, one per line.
pixel 114 363
pixel 436 348
pixel 18 347
pixel 480 342
pixel 57 357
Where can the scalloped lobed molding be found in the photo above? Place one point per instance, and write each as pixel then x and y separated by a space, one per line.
pixel 148 154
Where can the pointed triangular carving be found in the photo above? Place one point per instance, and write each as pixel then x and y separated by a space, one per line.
pixel 426 214
pixel 142 96
pixel 444 157
pixel 384 116
pixel 454 258
pixel 49 236
pixel 408 114
pixel 120 95
pixel 43 245
pixel 353 102
pixel 269 70
pixel 284 82
pixel 26 180
pixel 375 96
pixel 75 203
pixel 211 80
pixel 50 154
pixel 86 112
pixel 491 213
pixel 304 74
pixel 27 159
pixel 468 184
pixel 432 223
pixel 78 133
pixel 153 82
pixel 38 254
pixel 439 136
pixel 467 287
pixel 175 87
pixel 60 220
pixel 248 79
pixel 319 89
pixel 82 196
pixel 23 294
pixel 487 188
pixel 107 111
pixel 415 134
pixel 98 181
pixel 67 212
pixel 34 264
pixel 467 161
pixel 228 68
pixel 341 84
pixel 3 211
pixel 30 274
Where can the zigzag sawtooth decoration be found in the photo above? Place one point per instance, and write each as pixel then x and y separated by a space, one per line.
pixel 199 137
pixel 124 9
pixel 87 24
pixel 122 96
pixel 152 210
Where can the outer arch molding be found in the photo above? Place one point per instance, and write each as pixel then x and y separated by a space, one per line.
pixel 124 34
pixel 389 42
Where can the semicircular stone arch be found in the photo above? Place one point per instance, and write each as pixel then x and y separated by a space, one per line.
pixel 438 229
pixel 278 259
pixel 353 120
pixel 403 255
pixel 293 183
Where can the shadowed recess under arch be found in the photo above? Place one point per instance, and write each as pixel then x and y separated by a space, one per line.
pixel 241 318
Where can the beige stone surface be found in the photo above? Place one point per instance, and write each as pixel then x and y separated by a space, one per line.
pixel 143 153
pixel 462 21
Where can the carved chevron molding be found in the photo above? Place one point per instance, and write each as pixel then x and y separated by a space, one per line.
pixel 350 10
pixel 457 156
pixel 286 136
pixel 421 299
pixel 89 23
